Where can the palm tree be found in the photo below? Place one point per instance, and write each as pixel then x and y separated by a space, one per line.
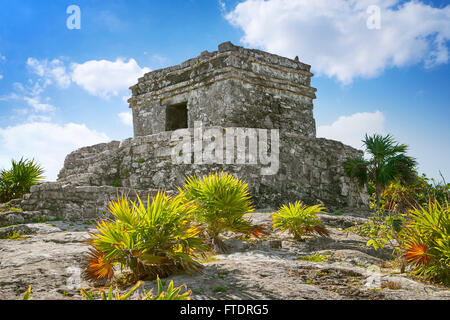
pixel 17 181
pixel 388 162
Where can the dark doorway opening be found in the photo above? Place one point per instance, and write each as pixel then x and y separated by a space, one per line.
pixel 176 117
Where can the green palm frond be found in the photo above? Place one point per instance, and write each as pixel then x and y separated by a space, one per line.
pixel 222 201
pixel 357 168
pixel 388 163
pixel 425 240
pixel 17 181
pixel 153 238
pixel 299 219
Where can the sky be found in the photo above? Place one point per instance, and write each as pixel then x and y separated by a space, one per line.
pixel 381 66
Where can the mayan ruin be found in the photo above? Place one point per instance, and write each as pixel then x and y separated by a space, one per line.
pixel 232 155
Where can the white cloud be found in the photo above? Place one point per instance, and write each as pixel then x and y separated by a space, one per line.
pixel 38 106
pixel 1 76
pixel 126 118
pixel 222 5
pixel 105 78
pixel 47 143
pixel 352 129
pixel 50 71
pixel 332 35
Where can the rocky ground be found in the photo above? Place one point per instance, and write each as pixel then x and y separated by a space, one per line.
pixel 49 257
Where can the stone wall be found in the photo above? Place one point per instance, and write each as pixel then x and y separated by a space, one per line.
pixel 310 169
pixel 231 87
pixel 74 203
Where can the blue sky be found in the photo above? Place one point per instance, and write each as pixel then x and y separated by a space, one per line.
pixel 62 89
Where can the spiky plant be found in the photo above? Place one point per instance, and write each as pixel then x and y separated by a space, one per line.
pixel 17 181
pixel 172 293
pixel 425 241
pixel 153 239
pixel 222 201
pixel 300 220
pixel 388 162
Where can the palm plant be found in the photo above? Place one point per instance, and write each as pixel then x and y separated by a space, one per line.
pixel 153 239
pixel 17 181
pixel 425 241
pixel 222 201
pixel 388 163
pixel 300 220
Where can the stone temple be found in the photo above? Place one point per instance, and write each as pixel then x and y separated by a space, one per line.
pixel 243 111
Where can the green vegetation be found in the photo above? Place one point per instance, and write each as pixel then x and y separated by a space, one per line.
pixel 172 293
pixel 412 212
pixel 27 294
pixel 154 239
pixel 198 291
pixel 12 235
pixel 208 258
pixel 15 209
pixel 17 181
pixel 222 202
pixel 42 220
pixel 317 257
pixel 388 163
pixel 300 220
pixel 399 197
pixel 141 160
pixel 7 207
pixel 117 182
pixel 219 289
pixel 420 238
pixel 425 241
pixel 381 229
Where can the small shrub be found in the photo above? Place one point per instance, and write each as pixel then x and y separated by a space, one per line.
pixel 156 239
pixel 381 230
pixel 399 198
pixel 17 181
pixel 425 241
pixel 222 203
pixel 300 220
pixel 141 160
